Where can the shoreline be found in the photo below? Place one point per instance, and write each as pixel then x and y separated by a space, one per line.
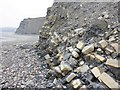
pixel 20 66
pixel 15 39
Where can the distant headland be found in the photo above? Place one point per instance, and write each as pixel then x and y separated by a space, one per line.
pixel 30 26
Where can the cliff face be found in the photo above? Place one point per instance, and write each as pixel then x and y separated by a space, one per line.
pixel 64 17
pixel 78 41
pixel 30 26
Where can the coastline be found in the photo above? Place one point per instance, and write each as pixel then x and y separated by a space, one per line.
pixel 20 65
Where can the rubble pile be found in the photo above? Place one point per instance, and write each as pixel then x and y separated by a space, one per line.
pixel 81 54
pixel 94 65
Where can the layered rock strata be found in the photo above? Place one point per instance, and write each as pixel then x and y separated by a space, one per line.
pixel 81 40
pixel 30 26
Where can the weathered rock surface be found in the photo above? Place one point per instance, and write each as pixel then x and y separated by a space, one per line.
pixel 75 54
pixel 68 63
pixel 103 43
pixel 96 72
pixel 88 49
pixel 30 26
pixel 76 83
pixel 96 25
pixel 65 67
pixel 109 81
pixel 80 45
pixel 70 77
pixel 113 63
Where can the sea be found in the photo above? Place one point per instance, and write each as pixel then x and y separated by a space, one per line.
pixel 10 35
pixel 6 34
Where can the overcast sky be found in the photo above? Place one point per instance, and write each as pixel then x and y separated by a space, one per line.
pixel 13 11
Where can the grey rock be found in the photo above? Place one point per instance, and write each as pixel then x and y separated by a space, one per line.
pixel 84 68
pixel 47 56
pixel 65 67
pixel 76 83
pixel 26 46
pixel 88 49
pixel 100 25
pixel 72 61
pixel 30 26
pixel 66 56
pixel 70 77
pixel 75 54
pixel 57 69
pixel 80 45
pixel 81 62
pixel 57 83
pixel 103 43
pixel 63 19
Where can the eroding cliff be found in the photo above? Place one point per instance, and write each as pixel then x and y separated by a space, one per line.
pixel 79 43
pixel 30 26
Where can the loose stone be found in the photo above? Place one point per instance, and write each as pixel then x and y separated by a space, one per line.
pixel 72 61
pixel 88 49
pixel 75 54
pixel 83 69
pixel 116 46
pixel 91 57
pixel 109 81
pixel 47 56
pixel 80 45
pixel 81 63
pixel 100 58
pixel 65 67
pixel 84 87
pixel 96 72
pixel 70 49
pixel 113 63
pixel 78 69
pixel 103 43
pixel 99 50
pixel 76 83
pixel 112 39
pixel 70 77
pixel 109 50
pixel 57 69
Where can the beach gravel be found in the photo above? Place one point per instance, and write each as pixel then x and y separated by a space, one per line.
pixel 21 67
